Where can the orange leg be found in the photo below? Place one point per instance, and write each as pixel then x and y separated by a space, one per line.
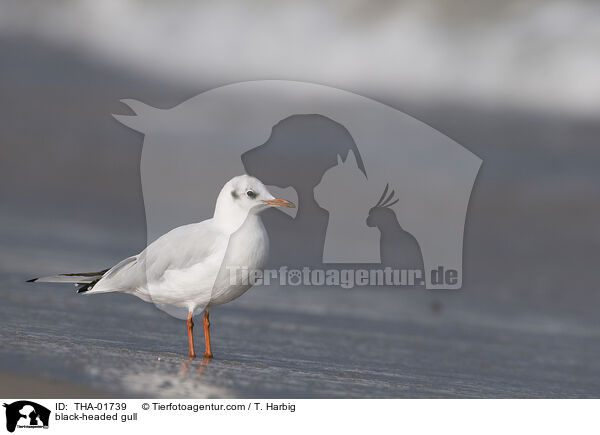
pixel 190 329
pixel 208 352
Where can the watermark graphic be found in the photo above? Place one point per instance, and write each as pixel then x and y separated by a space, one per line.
pixel 25 414
pixel 376 189
pixel 345 278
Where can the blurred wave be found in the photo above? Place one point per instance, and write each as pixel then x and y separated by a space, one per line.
pixel 536 54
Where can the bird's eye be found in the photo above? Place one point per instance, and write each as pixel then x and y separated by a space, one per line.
pixel 251 194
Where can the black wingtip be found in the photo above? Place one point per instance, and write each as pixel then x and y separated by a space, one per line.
pixel 32 280
pixel 87 287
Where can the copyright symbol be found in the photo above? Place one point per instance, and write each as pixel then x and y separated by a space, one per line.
pixel 146 406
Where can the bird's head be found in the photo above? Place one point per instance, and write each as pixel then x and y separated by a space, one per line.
pixel 245 194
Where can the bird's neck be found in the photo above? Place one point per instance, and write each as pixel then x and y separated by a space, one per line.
pixel 229 221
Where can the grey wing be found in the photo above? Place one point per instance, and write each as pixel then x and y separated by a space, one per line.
pixel 179 249
pixel 120 277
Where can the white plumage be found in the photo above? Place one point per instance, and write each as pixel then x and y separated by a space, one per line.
pixel 190 266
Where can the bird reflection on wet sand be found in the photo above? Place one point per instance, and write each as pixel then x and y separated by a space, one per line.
pixel 187 364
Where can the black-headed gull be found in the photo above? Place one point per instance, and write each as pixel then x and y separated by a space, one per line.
pixel 190 266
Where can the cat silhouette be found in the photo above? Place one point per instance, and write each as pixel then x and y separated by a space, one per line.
pixel 297 153
pixel 345 192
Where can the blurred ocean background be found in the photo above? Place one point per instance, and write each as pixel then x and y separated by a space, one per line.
pixel 515 82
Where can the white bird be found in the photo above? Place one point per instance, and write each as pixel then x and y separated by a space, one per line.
pixel 190 266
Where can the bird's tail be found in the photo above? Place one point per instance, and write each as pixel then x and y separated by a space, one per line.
pixel 86 280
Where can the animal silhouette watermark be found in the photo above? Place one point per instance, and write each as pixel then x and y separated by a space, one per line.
pixel 25 414
pixel 375 188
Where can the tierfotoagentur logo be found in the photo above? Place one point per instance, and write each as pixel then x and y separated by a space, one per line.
pixel 25 414
pixel 345 278
pixel 381 197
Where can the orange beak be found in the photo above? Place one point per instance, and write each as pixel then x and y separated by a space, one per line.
pixel 280 203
